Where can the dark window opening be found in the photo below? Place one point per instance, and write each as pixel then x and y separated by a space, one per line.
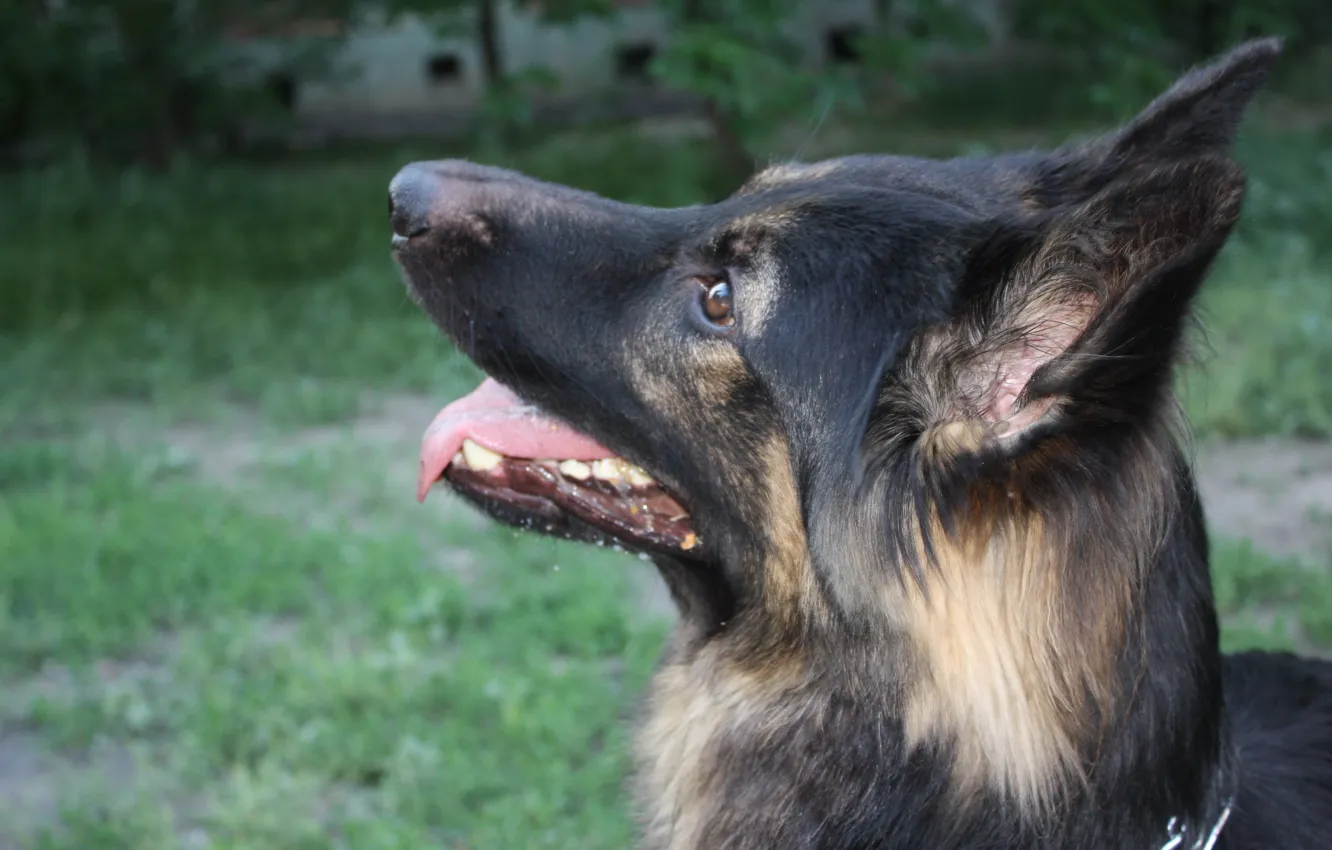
pixel 842 45
pixel 634 61
pixel 444 68
pixel 282 87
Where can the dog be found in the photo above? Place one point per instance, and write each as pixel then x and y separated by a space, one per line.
pixel 900 436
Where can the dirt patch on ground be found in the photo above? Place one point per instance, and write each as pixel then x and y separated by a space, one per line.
pixel 1275 493
pixel 375 453
pixel 36 780
pixel 392 425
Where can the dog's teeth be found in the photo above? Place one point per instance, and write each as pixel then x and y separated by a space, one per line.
pixel 479 457
pixel 458 460
pixel 689 542
pixel 607 469
pixel 576 470
pixel 637 476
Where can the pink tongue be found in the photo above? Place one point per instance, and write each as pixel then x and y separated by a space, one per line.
pixel 494 417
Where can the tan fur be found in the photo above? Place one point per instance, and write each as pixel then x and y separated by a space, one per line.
pixel 1013 674
pixel 776 175
pixel 694 705
pixel 719 375
pixel 763 224
pixel 758 298
pixel 790 590
pixel 987 638
pixel 683 718
pixel 716 695
pixel 715 373
pixel 1016 640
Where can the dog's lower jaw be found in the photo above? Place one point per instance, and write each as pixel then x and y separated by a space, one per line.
pixel 704 598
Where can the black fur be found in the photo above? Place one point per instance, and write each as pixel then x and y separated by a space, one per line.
pixel 852 462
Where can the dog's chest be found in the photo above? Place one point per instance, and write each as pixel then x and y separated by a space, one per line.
pixel 705 729
pixel 687 717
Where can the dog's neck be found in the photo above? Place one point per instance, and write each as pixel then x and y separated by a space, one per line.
pixel 993 702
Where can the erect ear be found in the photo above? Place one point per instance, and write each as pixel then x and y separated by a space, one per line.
pixel 1199 114
pixel 1073 310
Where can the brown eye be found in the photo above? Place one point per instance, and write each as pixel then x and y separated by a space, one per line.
pixel 717 304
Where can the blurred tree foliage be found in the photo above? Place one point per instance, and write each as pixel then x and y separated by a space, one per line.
pixel 1130 48
pixel 144 79
pixel 141 79
pixel 737 56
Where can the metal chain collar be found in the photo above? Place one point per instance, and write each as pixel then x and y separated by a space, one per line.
pixel 1179 832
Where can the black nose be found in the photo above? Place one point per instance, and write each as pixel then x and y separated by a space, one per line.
pixel 412 194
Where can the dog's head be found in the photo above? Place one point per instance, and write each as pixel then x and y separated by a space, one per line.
pixel 799 390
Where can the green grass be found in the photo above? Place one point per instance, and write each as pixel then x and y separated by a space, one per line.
pixel 293 653
pixel 280 673
pixel 302 354
pixel 1269 602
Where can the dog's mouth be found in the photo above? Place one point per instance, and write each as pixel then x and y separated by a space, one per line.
pixel 529 469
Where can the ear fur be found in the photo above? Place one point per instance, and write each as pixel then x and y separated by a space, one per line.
pixel 1089 316
pixel 1067 319
pixel 1199 114
pixel 1075 309
pixel 1202 111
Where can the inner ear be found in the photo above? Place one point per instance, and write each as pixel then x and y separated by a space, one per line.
pixel 1081 310
pixel 993 380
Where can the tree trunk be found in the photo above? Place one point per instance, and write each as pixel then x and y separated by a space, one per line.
pixel 487 30
pixel 734 161
pixel 1210 27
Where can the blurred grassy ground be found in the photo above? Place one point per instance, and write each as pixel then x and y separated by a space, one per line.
pixel 220 613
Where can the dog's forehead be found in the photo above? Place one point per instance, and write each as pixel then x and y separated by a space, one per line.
pixel 801 207
pixel 814 220
pixel 975 183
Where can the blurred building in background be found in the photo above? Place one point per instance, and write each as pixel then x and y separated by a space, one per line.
pixel 412 74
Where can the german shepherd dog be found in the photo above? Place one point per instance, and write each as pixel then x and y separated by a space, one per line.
pixel 900 436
